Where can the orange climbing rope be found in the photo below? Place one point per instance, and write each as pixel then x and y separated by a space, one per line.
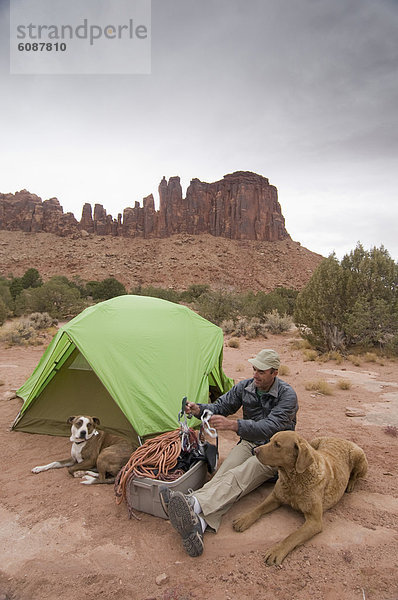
pixel 155 459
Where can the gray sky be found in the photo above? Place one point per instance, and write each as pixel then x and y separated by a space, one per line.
pixel 303 92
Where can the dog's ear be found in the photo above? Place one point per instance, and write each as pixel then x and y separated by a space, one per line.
pixel 70 420
pixel 96 420
pixel 304 457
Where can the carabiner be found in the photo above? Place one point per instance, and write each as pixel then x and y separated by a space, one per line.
pixel 205 418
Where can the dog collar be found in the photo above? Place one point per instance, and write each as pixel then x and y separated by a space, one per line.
pixel 79 441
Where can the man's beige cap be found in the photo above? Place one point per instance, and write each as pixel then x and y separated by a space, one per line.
pixel 266 359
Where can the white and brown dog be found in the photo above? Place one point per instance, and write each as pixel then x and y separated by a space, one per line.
pixel 92 449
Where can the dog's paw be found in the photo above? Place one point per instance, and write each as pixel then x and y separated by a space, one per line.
pixel 242 523
pixel 275 555
pixel 79 474
pixel 92 474
pixel 36 470
pixel 88 480
pixel 350 486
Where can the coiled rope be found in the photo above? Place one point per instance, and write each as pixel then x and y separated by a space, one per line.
pixel 155 459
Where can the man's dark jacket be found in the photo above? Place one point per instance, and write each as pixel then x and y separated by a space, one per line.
pixel 262 417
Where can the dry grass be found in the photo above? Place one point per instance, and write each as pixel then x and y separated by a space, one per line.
pixel 247 328
pixel 354 359
pixel 34 330
pixel 300 344
pixel 283 370
pixel 276 323
pixel 371 357
pixel 233 342
pixel 310 355
pixel 19 333
pixel 336 356
pixel 321 386
pixel 344 384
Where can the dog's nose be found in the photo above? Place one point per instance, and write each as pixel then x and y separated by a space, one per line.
pixel 83 434
pixel 254 450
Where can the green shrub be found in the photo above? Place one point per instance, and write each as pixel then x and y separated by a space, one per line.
pixel 155 292
pixel 371 322
pixel 350 304
pixel 79 284
pixel 31 278
pixel 90 288
pixel 217 306
pixel 258 305
pixel 5 293
pixel 193 292
pixel 55 297
pixel 108 288
pixel 249 304
pixel 391 345
pixel 16 287
pixel 3 311
pixel 290 296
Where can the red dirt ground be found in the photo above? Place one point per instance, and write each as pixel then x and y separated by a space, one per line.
pixel 175 262
pixel 60 539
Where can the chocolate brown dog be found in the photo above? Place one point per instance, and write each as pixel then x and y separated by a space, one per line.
pixel 92 449
pixel 312 478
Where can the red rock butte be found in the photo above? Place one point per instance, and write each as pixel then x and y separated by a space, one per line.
pixel 241 206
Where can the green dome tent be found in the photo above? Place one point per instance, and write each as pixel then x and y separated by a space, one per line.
pixel 129 361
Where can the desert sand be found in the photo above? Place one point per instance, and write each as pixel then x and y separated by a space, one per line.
pixel 60 539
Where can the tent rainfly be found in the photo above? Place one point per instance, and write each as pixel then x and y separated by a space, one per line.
pixel 129 361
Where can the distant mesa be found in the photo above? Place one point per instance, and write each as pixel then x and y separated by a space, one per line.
pixel 241 206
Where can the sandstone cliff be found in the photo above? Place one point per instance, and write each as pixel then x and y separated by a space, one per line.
pixel 242 206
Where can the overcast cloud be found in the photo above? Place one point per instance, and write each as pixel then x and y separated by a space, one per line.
pixel 304 93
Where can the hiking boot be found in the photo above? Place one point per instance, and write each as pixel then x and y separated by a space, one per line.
pixel 186 522
pixel 164 497
pixel 165 494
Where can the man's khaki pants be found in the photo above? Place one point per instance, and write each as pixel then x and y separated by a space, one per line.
pixel 239 474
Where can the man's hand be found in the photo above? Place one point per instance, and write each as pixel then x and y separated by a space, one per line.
pixel 216 421
pixel 192 409
pixel 222 423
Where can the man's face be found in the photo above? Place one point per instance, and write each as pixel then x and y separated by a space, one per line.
pixel 263 380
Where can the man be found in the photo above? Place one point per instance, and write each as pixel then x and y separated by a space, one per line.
pixel 269 405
